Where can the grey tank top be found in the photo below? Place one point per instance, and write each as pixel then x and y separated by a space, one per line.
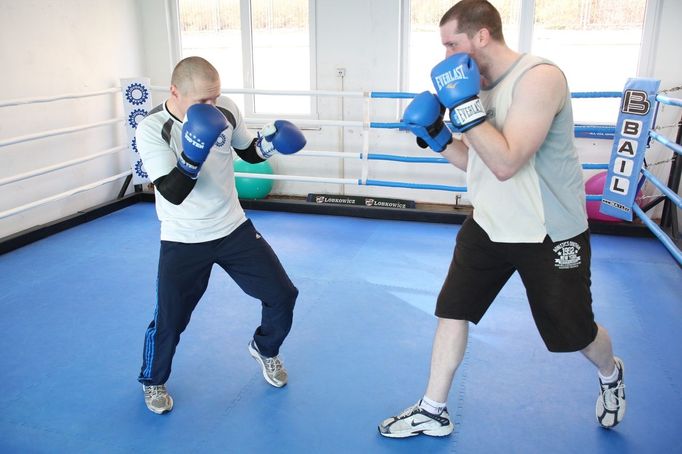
pixel 546 196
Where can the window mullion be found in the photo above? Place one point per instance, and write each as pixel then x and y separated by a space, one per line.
pixel 652 16
pixel 404 44
pixel 172 9
pixel 312 40
pixel 247 54
pixel 526 24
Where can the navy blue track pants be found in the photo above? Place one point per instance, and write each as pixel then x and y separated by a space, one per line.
pixel 184 270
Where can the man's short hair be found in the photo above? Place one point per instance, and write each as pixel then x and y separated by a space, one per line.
pixel 190 69
pixel 473 15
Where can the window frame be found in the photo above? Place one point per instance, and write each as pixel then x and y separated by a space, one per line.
pixel 175 44
pixel 652 13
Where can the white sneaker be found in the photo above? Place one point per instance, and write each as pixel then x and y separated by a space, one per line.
pixel 273 368
pixel 157 399
pixel 611 400
pixel 414 421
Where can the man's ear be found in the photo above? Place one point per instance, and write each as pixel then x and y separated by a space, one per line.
pixel 483 37
pixel 174 91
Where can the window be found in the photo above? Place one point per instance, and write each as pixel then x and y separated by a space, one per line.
pixel 262 44
pixel 595 42
pixel 212 29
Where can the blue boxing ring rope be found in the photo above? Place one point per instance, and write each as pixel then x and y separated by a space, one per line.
pixel 667 231
pixel 583 131
pixel 605 132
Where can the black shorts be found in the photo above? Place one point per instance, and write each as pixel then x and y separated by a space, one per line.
pixel 556 277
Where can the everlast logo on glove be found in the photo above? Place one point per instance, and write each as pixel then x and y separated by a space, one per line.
pixel 466 112
pixel 457 82
pixel 455 74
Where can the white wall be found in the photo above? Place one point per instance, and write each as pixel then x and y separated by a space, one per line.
pixel 51 48
pixel 88 45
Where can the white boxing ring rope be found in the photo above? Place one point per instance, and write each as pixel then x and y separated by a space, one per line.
pixel 580 130
pixel 364 156
pixel 58 132
pixel 63 195
pixel 63 165
pixel 36 100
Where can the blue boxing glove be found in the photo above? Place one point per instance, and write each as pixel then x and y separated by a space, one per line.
pixel 424 118
pixel 282 136
pixel 458 83
pixel 202 127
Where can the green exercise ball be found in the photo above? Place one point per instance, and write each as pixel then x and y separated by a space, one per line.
pixel 252 188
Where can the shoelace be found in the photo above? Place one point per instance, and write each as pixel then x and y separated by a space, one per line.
pixel 154 391
pixel 273 364
pixel 408 411
pixel 611 399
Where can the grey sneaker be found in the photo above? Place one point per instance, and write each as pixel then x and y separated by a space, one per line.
pixel 273 369
pixel 157 398
pixel 611 400
pixel 414 421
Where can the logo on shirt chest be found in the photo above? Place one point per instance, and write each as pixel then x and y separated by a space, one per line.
pixel 567 255
pixel 224 140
